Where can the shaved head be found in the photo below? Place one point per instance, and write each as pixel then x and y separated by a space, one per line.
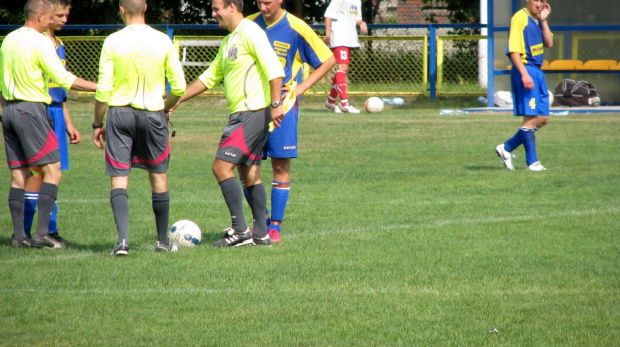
pixel 134 8
pixel 34 7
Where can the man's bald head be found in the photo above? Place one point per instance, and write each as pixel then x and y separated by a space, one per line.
pixel 134 8
pixel 34 7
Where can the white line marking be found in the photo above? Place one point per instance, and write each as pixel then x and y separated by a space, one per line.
pixel 364 291
pixel 456 221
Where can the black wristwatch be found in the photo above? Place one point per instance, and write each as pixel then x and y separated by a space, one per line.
pixel 275 104
pixel 97 126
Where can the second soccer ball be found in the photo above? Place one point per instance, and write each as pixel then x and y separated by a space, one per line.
pixel 373 105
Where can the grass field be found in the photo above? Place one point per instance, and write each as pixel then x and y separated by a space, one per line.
pixel 403 229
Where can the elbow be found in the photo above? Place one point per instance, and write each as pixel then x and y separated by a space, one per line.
pixel 330 63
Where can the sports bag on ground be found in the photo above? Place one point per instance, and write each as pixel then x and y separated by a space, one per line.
pixel 576 93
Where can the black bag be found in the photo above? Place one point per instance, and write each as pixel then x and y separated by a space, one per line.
pixel 576 93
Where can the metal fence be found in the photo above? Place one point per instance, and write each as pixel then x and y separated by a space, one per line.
pixel 394 65
pixel 393 59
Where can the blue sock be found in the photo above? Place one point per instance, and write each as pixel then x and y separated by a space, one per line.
pixel 53 226
pixel 529 143
pixel 30 208
pixel 515 141
pixel 279 199
pixel 275 227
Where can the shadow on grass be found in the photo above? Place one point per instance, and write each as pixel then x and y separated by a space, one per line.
pixel 95 248
pixel 5 240
pixel 485 168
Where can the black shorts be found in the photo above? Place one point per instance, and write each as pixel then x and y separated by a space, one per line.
pixel 136 138
pixel 28 135
pixel 245 137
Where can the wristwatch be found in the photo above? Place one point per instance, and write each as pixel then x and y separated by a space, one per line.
pixel 97 126
pixel 275 104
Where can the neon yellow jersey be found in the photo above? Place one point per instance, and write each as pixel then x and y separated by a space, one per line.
pixel 27 60
pixel 246 62
pixel 133 68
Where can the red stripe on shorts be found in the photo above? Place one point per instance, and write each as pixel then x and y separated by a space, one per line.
pixel 237 140
pixel 157 160
pixel 115 163
pixel 50 144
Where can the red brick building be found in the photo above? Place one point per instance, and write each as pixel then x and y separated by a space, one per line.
pixel 411 11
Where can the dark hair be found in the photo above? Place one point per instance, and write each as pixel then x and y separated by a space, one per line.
pixel 238 3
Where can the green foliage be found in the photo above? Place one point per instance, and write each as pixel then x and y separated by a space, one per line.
pixel 462 65
pixel 403 229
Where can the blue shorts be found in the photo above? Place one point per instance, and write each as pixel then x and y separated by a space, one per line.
pixel 282 141
pixel 529 102
pixel 60 129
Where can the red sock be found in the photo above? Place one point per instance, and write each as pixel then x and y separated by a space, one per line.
pixel 341 80
pixel 333 94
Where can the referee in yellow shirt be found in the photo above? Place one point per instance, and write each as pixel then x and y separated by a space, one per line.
pixel 27 60
pixel 252 75
pixel 133 68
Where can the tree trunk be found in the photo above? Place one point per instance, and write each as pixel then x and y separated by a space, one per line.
pixel 298 8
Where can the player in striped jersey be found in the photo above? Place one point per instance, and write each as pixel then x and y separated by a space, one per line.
pixel 294 43
pixel 529 33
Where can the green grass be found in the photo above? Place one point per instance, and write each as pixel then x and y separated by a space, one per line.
pixel 403 228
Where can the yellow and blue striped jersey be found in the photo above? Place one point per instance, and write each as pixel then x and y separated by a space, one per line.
pixel 526 38
pixel 58 93
pixel 294 42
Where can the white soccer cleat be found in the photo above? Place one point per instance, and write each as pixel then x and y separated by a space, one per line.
pixel 536 167
pixel 332 107
pixel 505 156
pixel 349 109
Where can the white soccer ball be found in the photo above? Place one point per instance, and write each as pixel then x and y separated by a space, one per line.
pixel 185 233
pixel 551 98
pixel 373 105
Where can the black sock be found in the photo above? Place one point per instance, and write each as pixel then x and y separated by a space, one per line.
pixel 234 200
pixel 257 195
pixel 16 206
pixel 120 209
pixel 47 199
pixel 161 209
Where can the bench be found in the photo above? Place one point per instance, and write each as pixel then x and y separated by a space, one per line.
pixel 578 66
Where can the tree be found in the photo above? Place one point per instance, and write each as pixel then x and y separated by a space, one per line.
pixel 199 11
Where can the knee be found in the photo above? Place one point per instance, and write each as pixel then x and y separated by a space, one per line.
pixel 542 121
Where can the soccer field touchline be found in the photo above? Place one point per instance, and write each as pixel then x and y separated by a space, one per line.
pixel 533 290
pixel 438 223
pixel 455 221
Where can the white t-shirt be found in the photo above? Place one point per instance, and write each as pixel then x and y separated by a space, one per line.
pixel 344 15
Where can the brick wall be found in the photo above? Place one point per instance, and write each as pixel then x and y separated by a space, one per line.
pixel 410 12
